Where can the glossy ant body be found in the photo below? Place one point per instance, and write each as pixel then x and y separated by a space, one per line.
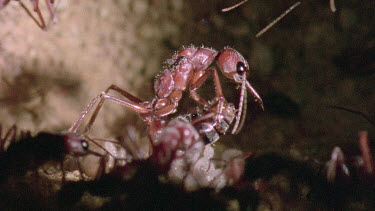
pixel 188 69
pixel 35 3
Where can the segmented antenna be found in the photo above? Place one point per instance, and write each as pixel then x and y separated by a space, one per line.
pixel 332 5
pixel 277 19
pixel 354 112
pixel 234 6
pixel 241 109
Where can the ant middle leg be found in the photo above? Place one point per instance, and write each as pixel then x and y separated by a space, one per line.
pixel 220 105
pixel 32 17
pixel 198 82
pixel 50 10
pixel 133 104
pixel 37 10
pixel 10 136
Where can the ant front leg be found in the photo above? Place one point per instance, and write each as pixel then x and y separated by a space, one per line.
pixel 50 10
pixel 37 10
pixel 368 161
pixel 133 104
pixel 10 136
pixel 199 81
pixel 218 90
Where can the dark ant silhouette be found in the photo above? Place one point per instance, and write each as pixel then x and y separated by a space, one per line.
pixel 20 151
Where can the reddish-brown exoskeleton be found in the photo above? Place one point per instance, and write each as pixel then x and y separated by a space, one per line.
pixel 188 69
pixel 35 3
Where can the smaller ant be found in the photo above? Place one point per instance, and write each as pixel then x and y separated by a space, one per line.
pixel 20 151
pixel 35 3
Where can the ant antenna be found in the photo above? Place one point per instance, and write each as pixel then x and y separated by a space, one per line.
pixel 234 6
pixel 332 5
pixel 354 112
pixel 277 19
pixel 241 113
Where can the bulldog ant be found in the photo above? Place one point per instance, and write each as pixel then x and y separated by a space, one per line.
pixel 35 3
pixel 188 69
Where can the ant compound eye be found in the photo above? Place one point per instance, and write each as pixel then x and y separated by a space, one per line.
pixel 85 145
pixel 241 68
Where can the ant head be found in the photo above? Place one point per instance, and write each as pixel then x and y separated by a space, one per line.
pixel 75 144
pixel 236 68
pixel 233 65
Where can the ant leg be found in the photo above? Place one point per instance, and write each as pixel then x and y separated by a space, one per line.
pixel 198 83
pixel 50 10
pixel 368 162
pixel 130 144
pixel 37 10
pixel 12 132
pixel 79 168
pixel 218 90
pixel 83 114
pixel 134 100
pixel 2 141
pixel 103 148
pixel 103 96
pixel 124 93
pixel 30 15
pixel 63 172
pixel 354 112
pixel 136 146
pixel 219 94
pixel 101 169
